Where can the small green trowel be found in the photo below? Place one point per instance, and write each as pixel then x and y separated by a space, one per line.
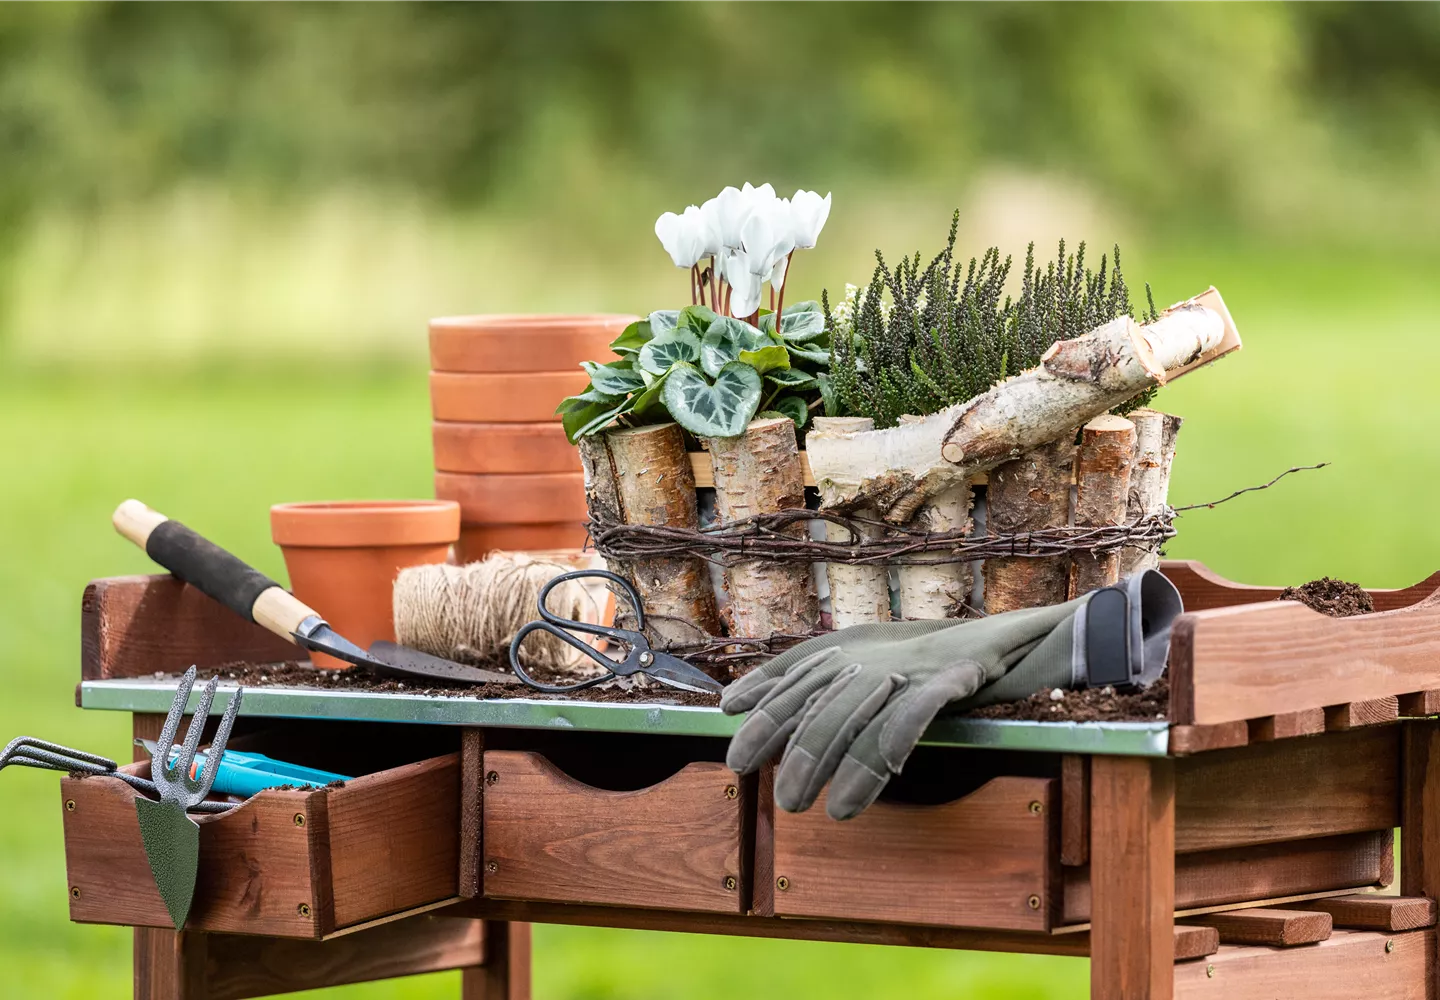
pixel 171 837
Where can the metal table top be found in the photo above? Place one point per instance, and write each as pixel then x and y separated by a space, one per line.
pixel 1143 739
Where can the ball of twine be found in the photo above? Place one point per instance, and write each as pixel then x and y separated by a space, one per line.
pixel 471 613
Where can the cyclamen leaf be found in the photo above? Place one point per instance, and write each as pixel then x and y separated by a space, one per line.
pixel 719 409
pixel 791 378
pixel 660 353
pixel 773 356
pixel 802 321
pixel 664 322
pixel 572 403
pixel 697 319
pixel 724 341
pixel 793 407
pixel 807 352
pixel 616 378
pixel 649 400
pixel 591 418
pixel 827 394
pixel 634 338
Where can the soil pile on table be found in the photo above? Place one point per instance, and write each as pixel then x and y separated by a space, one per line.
pixel 619 691
pixel 1088 705
pixel 1336 598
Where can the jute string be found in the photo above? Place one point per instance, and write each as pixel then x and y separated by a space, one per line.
pixel 471 613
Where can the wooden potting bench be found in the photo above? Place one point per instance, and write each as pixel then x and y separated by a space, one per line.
pixel 1240 849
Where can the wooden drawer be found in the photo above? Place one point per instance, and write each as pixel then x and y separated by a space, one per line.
pixel 678 843
pixel 987 859
pixel 296 864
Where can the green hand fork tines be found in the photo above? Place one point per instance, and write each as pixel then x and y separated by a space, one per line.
pixel 172 838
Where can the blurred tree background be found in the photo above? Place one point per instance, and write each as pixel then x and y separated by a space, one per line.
pixel 197 198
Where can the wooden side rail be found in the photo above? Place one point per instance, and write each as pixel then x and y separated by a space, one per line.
pixel 1259 660
pixel 1203 589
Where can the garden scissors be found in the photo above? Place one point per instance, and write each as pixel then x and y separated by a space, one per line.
pixel 642 659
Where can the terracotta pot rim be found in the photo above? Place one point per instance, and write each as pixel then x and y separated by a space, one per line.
pixel 364 523
pixel 500 322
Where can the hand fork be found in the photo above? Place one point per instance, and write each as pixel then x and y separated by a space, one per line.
pixel 171 838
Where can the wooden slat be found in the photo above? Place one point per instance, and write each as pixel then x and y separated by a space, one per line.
pixel 1356 714
pixel 672 845
pixel 1420 822
pixel 1202 588
pixel 1074 809
pixel 1284 726
pixel 1420 703
pixel 980 861
pixel 132 626
pixel 472 785
pixel 240 966
pixel 395 839
pixel 1193 941
pixel 1277 928
pixel 1132 848
pixel 1256 660
pixel 1267 871
pixel 1186 740
pixel 1290 790
pixel 762 889
pixel 1350 964
pixel 168 965
pixel 1373 912
pixel 505 972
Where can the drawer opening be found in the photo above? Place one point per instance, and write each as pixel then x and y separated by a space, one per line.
pixel 935 776
pixel 612 762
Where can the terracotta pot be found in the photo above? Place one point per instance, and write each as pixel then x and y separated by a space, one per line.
pixel 514 397
pixel 479 540
pixel 343 557
pixel 522 343
pixel 503 448
pixel 515 498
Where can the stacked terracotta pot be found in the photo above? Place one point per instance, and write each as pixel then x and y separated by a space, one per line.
pixel 500 451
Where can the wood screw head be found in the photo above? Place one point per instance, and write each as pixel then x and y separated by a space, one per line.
pixel 303 909
pixel 1209 972
pixel 491 777
pixel 730 883
pixel 299 819
pixel 1033 902
pixel 492 867
pixel 1036 808
pixel 782 883
pixel 731 791
pixel 1389 946
pixel 70 805
pixel 74 892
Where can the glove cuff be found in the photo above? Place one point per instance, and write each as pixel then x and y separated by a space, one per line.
pixel 1121 634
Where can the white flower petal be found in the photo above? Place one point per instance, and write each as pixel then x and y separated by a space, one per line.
pixel 809 212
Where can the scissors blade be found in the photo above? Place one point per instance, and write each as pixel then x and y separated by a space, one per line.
pixel 679 674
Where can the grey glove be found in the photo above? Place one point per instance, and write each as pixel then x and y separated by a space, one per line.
pixel 853 704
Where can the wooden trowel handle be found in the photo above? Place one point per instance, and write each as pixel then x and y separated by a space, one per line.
pixel 211 570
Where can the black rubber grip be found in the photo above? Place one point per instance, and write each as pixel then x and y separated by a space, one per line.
pixel 1107 647
pixel 207 567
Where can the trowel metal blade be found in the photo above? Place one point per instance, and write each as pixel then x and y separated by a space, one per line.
pixel 405 660
pixel 172 846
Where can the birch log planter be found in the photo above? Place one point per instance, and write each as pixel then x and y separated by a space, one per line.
pixel 759 472
pixel 1155 434
pixel 1029 493
pixel 1102 492
pixel 858 594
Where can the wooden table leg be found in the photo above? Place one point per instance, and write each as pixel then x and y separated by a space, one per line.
pixel 1132 878
pixel 505 974
pixel 1420 818
pixel 169 965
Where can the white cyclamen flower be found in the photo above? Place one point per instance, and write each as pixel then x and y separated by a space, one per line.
pixel 768 236
pixel 683 237
pixel 745 284
pixel 809 212
pixel 731 209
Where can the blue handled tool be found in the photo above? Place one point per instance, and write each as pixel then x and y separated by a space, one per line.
pixel 246 774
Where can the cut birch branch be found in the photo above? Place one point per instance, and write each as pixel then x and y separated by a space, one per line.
pixel 1102 493
pixel 655 486
pixel 859 595
pixel 759 472
pixel 938 590
pixel 1027 494
pixel 1155 434
pixel 602 501
pixel 1077 380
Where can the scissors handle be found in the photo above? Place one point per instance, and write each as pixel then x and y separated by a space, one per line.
pixel 562 628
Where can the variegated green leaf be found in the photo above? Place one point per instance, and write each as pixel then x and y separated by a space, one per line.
pixel 724 341
pixel 584 399
pixel 719 409
pixel 697 319
pixel 793 407
pixel 660 353
pixel 663 322
pixel 808 352
pixel 791 378
pixel 802 321
pixel 616 378
pixel 633 338
pixel 592 418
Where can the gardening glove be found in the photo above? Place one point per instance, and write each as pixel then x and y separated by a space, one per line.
pixel 853 704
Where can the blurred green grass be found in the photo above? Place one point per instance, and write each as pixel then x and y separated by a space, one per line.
pixel 1337 366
